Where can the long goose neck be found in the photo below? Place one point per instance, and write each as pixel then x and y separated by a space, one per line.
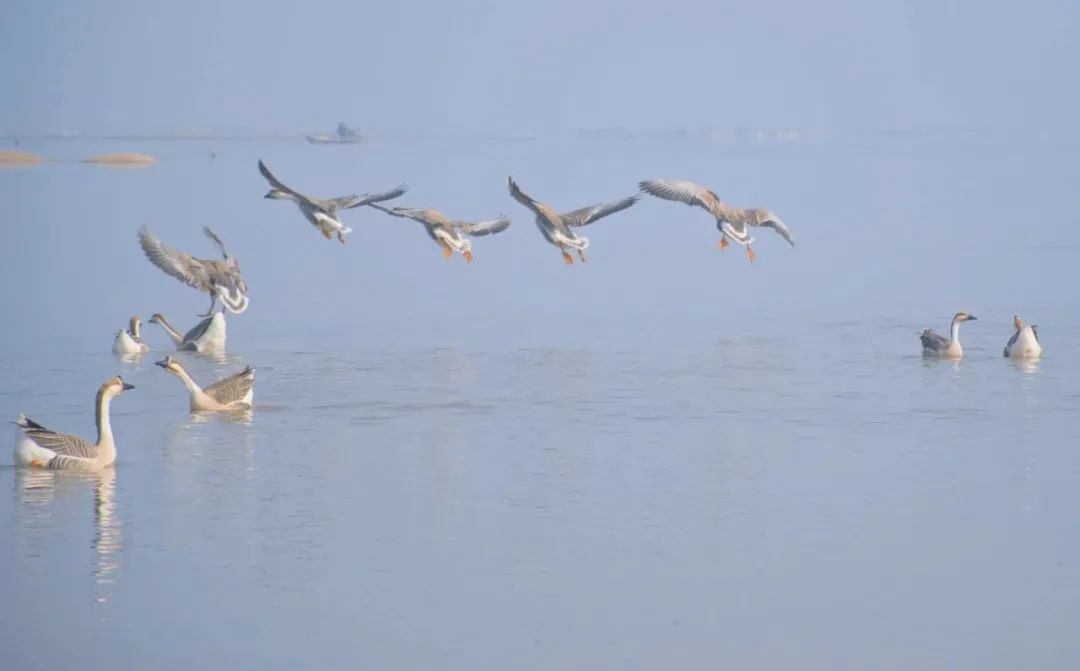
pixel 191 385
pixel 101 417
pixel 134 330
pixel 954 330
pixel 173 333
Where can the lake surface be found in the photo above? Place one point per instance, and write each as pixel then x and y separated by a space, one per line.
pixel 664 458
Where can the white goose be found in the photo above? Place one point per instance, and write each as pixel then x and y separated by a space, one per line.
pixel 230 393
pixel 935 345
pixel 206 336
pixel 1024 344
pixel 128 341
pixel 39 447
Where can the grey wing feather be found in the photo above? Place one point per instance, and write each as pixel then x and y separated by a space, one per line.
pixel 216 240
pixel 933 341
pixel 60 443
pixel 681 191
pixel 370 198
pixel 780 228
pixel 198 330
pixel 479 228
pixel 187 269
pixel 232 388
pixel 587 215
pixel 387 210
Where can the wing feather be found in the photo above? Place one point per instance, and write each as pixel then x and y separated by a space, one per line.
pixel 232 388
pixel 61 443
pixel 684 192
pixel 587 215
pixel 186 268
pixel 479 228
pixel 370 198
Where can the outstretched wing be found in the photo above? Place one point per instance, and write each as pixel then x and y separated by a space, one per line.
pixel 217 242
pixel 187 269
pixel 767 219
pixel 232 388
pixel 369 198
pixel 684 192
pixel 587 215
pixel 63 444
pixel 479 228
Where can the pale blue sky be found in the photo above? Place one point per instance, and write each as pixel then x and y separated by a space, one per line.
pixel 466 66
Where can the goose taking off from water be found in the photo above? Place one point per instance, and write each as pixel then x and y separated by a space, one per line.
pixel 450 234
pixel 206 336
pixel 557 228
pixel 323 213
pixel 731 221
pixel 40 447
pixel 935 345
pixel 220 279
pixel 230 393
pixel 1024 344
pixel 128 341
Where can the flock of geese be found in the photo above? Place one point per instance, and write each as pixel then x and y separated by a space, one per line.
pixel 222 281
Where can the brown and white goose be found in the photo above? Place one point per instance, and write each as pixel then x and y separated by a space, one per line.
pixel 206 336
pixel 220 279
pixel 450 234
pixel 231 393
pixel 129 341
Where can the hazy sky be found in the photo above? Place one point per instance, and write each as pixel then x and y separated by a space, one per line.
pixel 462 66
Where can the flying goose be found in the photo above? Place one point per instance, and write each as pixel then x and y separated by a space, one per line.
pixel 556 228
pixel 128 340
pixel 230 393
pixel 40 447
pixel 935 345
pixel 449 233
pixel 731 221
pixel 220 279
pixel 1024 344
pixel 323 213
pixel 206 336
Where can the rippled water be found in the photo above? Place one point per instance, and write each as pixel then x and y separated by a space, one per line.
pixel 663 458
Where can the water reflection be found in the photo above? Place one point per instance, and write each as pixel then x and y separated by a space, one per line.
pixel 43 496
pixel 1028 366
pixel 230 416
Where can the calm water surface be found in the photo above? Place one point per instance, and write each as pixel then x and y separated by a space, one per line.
pixel 666 458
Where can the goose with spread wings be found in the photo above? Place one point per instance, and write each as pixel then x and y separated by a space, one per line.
pixel 324 213
pixel 220 279
pixel 733 222
pixel 450 234
pixel 558 228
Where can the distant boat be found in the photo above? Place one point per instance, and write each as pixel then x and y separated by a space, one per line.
pixel 343 135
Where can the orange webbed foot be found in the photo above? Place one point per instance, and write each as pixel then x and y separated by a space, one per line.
pixel 750 254
pixel 447 252
pixel 723 244
pixel 468 256
pixel 567 259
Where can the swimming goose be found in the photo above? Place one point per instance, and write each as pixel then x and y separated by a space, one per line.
pixel 220 279
pixel 128 340
pixel 43 448
pixel 230 393
pixel 206 336
pixel 940 346
pixel 556 228
pixel 1025 342
pixel 323 213
pixel 731 221
pixel 449 233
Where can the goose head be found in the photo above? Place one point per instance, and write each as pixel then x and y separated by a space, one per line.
pixel 170 364
pixel 134 326
pixel 114 386
pixel 964 317
pixel 1017 323
pixel 157 318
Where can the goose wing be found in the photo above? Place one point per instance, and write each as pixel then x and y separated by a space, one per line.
pixel 685 192
pixel 198 330
pixel 933 341
pixel 280 186
pixel 232 388
pixel 479 228
pixel 369 198
pixel 63 444
pixel 588 215
pixel 189 270
pixel 767 219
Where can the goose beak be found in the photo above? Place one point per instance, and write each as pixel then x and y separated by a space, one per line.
pixel 972 318
pixel 163 363
pixel 128 386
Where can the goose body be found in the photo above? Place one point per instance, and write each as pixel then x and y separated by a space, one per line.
pixel 450 234
pixel 938 346
pixel 1024 344
pixel 220 279
pixel 206 336
pixel 128 341
pixel 230 393
pixel 732 222
pixel 557 228
pixel 38 447
pixel 323 213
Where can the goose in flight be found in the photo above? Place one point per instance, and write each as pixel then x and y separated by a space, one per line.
pixel 1024 344
pixel 731 221
pixel 220 279
pixel 450 234
pixel 39 447
pixel 231 393
pixel 323 213
pixel 128 341
pixel 206 336
pixel 935 345
pixel 557 228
